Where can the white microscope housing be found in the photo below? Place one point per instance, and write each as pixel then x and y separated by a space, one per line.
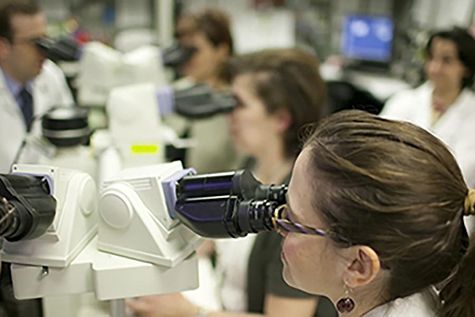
pixel 135 127
pixel 139 249
pixel 135 220
pixel 74 224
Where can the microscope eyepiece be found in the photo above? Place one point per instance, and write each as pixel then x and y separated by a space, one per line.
pixel 26 208
pixel 230 204
pixel 177 55
pixel 61 49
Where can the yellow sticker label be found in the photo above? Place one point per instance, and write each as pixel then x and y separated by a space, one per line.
pixel 144 148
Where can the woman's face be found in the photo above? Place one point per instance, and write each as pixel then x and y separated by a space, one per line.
pixel 311 263
pixel 443 67
pixel 251 126
pixel 206 60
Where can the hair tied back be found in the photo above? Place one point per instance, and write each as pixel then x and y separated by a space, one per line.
pixel 469 205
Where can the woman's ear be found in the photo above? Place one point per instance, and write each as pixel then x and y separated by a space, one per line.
pixel 283 119
pixel 223 51
pixel 363 268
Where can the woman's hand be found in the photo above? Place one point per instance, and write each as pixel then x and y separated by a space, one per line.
pixel 168 305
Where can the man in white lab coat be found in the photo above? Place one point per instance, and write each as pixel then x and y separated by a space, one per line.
pixel 29 83
pixel 445 104
pixel 29 86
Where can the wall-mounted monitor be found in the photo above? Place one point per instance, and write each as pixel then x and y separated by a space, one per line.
pixel 367 38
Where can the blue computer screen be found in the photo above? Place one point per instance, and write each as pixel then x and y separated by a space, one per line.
pixel 367 38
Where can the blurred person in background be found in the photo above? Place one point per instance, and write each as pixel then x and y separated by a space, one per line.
pixel 208 32
pixel 445 104
pixel 278 92
pixel 30 84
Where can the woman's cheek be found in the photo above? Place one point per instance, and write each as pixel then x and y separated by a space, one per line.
pixel 290 248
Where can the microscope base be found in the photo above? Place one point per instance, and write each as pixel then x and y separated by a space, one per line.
pixel 107 275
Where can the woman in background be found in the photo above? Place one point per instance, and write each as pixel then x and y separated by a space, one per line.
pixel 445 104
pixel 208 32
pixel 278 93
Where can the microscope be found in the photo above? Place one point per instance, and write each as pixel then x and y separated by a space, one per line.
pixel 134 236
pixel 133 88
pixel 136 135
pixel 131 93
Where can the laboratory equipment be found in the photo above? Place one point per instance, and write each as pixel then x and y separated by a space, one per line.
pixel 136 135
pixel 66 259
pixel 66 129
pixel 201 101
pixel 62 49
pixel 134 127
pixel 65 126
pixel 62 142
pixel 147 218
pixel 70 222
pixel 26 209
pixel 102 68
pixel 176 55
pixel 367 39
pixel 135 217
pixel 231 204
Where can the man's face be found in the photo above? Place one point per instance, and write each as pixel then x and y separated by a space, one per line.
pixel 20 57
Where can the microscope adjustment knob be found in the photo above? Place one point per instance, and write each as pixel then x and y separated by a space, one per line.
pixel 115 209
pixel 88 200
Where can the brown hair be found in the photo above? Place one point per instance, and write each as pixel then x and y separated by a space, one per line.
pixel 396 188
pixel 285 79
pixel 12 8
pixel 212 22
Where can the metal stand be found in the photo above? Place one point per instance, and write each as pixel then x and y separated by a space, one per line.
pixel 117 308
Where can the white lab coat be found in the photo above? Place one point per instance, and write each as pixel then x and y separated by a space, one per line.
pixel 456 127
pixel 424 304
pixel 49 89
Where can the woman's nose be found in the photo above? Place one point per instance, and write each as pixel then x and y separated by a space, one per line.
pixel 434 66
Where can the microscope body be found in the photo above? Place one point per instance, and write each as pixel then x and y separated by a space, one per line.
pixel 135 219
pixel 135 128
pixel 103 68
pixel 148 222
pixel 67 259
pixel 73 226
